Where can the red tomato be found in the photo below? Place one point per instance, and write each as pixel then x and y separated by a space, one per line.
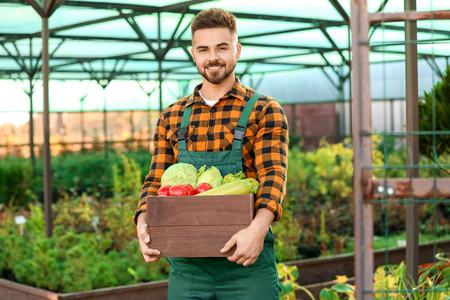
pixel 203 187
pixel 163 191
pixel 190 189
pixel 178 190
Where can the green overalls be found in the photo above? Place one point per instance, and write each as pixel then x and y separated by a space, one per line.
pixel 217 277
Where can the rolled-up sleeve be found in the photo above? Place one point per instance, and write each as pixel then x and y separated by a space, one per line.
pixel 163 157
pixel 271 158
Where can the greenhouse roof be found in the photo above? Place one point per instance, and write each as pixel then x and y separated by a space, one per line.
pixel 129 39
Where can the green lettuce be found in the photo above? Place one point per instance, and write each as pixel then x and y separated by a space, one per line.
pixel 233 177
pixel 180 173
pixel 211 176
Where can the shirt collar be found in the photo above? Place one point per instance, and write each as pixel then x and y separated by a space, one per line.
pixel 237 91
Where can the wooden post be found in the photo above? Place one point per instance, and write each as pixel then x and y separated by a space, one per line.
pixel 362 150
pixel 412 142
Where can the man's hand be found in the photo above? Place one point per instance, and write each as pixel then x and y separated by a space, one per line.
pixel 250 241
pixel 144 240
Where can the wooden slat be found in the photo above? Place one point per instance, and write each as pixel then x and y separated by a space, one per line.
pixel 415 187
pixel 409 15
pixel 196 226
pixel 200 210
pixel 192 241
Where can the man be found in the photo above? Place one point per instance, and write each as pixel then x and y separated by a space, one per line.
pixel 213 125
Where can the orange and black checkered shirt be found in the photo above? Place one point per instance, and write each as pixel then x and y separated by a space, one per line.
pixel 264 149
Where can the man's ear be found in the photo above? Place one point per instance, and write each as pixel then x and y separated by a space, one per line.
pixel 192 53
pixel 239 48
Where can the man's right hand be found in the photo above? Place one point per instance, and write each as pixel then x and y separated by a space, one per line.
pixel 144 240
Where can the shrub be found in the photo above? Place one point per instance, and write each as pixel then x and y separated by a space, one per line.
pixel 433 115
pixel 16 180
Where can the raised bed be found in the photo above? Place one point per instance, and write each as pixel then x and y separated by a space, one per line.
pixel 315 274
pixel 318 273
pixel 144 291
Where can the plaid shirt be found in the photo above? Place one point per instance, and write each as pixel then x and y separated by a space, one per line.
pixel 264 149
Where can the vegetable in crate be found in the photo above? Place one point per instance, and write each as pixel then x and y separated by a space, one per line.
pixel 178 190
pixel 190 189
pixel 211 176
pixel 233 177
pixel 236 187
pixel 180 173
pixel 163 191
pixel 203 187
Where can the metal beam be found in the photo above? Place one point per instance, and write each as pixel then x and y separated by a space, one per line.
pixel 333 44
pixel 46 146
pixel 376 25
pixel 10 55
pixel 172 38
pixel 432 63
pixel 340 10
pixel 141 35
pixel 277 32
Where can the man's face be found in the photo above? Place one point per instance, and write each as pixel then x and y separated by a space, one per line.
pixel 215 52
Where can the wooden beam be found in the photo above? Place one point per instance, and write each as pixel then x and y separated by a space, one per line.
pixel 416 188
pixel 362 150
pixel 409 15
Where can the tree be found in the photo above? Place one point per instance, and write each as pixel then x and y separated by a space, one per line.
pixel 434 115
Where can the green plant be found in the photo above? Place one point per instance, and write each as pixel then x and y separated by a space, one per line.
pixel 16 179
pixel 340 290
pixel 390 282
pixel 287 236
pixel 288 276
pixel 70 261
pixel 433 115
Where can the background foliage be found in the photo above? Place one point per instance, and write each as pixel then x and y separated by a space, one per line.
pixel 94 202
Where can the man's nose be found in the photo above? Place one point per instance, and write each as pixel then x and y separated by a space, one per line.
pixel 213 56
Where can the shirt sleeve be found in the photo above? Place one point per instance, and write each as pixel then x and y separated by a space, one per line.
pixel 271 155
pixel 163 157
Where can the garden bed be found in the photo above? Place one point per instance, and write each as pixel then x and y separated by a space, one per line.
pixel 320 274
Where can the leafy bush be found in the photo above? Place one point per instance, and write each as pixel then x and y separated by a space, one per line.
pixel 320 186
pixel 93 245
pixel 390 282
pixel 16 180
pixel 72 174
pixel 433 115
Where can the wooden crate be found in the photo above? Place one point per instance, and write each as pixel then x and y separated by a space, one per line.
pixel 196 226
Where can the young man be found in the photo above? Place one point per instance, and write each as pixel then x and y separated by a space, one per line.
pixel 204 127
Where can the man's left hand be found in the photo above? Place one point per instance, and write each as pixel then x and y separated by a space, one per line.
pixel 250 241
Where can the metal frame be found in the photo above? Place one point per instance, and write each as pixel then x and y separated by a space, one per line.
pixel 366 188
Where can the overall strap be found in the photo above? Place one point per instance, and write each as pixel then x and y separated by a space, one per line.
pixel 182 131
pixel 239 131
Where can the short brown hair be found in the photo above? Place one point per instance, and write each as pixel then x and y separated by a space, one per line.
pixel 214 18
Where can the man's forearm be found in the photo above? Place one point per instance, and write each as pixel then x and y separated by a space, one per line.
pixel 263 218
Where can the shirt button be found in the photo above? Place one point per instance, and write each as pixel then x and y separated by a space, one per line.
pixel 213 109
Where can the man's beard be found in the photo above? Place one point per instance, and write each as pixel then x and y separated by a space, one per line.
pixel 217 78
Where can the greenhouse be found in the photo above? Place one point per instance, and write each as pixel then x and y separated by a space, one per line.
pixel 82 84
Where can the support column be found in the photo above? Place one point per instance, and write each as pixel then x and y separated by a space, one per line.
pixel 105 120
pixel 362 150
pixel 31 128
pixel 412 142
pixel 46 145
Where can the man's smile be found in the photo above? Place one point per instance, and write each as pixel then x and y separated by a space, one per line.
pixel 214 68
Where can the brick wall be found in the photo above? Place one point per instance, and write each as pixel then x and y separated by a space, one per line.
pixel 312 122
